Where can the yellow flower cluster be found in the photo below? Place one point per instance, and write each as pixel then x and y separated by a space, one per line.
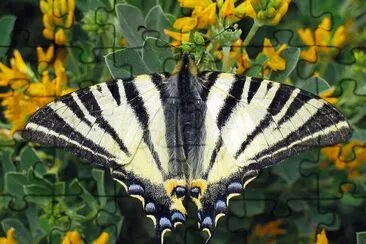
pixel 348 157
pixel 9 239
pixel 73 237
pixel 322 40
pixel 58 15
pixel 26 93
pixel 207 12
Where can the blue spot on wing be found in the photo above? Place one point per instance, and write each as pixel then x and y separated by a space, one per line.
pixel 234 187
pixel 135 189
pixel 150 207
pixel 165 223
pixel 178 217
pixel 220 206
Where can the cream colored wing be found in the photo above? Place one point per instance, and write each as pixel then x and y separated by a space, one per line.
pixel 120 125
pixel 250 124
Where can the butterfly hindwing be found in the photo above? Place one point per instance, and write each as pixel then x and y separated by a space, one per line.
pixel 120 125
pixel 250 124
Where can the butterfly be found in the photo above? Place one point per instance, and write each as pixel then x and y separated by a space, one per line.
pixel 192 135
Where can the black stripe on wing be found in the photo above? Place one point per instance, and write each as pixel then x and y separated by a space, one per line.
pixel 137 104
pixel 49 119
pixel 278 102
pixel 91 104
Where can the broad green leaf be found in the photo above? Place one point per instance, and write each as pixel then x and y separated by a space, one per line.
pixel 7 162
pixel 157 55
pixel 21 233
pixel 130 19
pixel 28 158
pixel 361 237
pixel 156 21
pixel 314 85
pixel 14 182
pixel 289 170
pixel 35 228
pixel 98 175
pixel 144 5
pixel 257 66
pixel 38 193
pixel 6 26
pixel 125 64
pixel 291 55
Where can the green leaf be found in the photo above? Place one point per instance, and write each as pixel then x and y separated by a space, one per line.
pixel 14 182
pixel 257 66
pixel 144 5
pixel 130 19
pixel 60 188
pixel 7 162
pixel 361 237
pixel 98 175
pixel 84 194
pixel 291 55
pixel 6 26
pixel 28 158
pixel 33 219
pixel 314 85
pixel 125 64
pixel 289 170
pixel 21 233
pixel 157 56
pixel 157 21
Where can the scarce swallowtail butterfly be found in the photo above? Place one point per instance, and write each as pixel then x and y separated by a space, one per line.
pixel 189 134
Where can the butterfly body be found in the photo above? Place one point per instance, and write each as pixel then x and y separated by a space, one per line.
pixel 187 135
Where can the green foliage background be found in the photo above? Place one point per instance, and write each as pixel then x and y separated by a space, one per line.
pixel 46 192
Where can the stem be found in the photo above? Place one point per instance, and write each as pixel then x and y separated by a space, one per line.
pixel 246 42
pixel 251 33
pixel 225 61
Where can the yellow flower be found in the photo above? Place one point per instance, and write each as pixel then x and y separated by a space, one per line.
pixel 348 157
pixel 26 95
pixel 322 40
pixel 72 237
pixel 272 228
pixel 102 239
pixel 57 16
pixel 275 61
pixel 327 95
pixel 9 239
pixel 205 16
pixel 321 238
pixel 245 9
pixel 44 57
pixel 185 24
pixel 228 8
pixel 178 37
